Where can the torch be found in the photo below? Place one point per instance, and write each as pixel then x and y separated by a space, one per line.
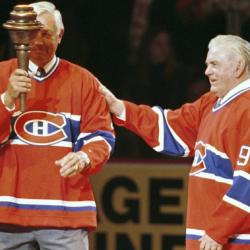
pixel 22 28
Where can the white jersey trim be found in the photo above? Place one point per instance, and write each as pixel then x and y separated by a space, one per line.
pixel 242 173
pixel 47 202
pixel 202 232
pixel 236 203
pixel 160 147
pixel 64 144
pixel 232 94
pixel 72 117
pixel 195 231
pixel 214 177
pixel 216 151
pixel 95 138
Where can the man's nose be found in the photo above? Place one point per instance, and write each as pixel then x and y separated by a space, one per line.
pixel 207 71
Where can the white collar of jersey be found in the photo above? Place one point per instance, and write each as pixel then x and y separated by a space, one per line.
pixel 49 68
pixel 233 93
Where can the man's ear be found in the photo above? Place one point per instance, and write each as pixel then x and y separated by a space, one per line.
pixel 60 36
pixel 240 68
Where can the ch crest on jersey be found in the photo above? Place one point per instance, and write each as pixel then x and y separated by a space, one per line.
pixel 199 159
pixel 40 127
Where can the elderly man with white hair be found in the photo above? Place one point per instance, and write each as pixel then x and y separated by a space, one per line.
pixel 49 151
pixel 215 131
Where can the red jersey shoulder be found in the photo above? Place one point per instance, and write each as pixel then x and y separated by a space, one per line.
pixel 206 103
pixel 79 73
pixel 67 65
pixel 208 98
pixel 239 107
pixel 7 64
pixel 244 99
pixel 7 67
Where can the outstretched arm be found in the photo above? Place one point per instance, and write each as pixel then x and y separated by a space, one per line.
pixel 116 106
pixel 172 132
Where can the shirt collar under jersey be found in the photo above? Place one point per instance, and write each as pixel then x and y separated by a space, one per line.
pixel 33 67
pixel 240 88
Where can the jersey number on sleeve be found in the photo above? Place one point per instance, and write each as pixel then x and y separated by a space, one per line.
pixel 244 156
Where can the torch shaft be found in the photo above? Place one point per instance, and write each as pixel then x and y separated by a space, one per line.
pixel 22 51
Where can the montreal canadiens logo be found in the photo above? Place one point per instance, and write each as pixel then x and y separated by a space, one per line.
pixel 40 128
pixel 199 159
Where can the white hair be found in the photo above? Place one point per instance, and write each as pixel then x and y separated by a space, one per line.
pixel 240 46
pixel 44 6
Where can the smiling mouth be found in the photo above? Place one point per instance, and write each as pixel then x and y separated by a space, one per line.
pixel 212 81
pixel 35 51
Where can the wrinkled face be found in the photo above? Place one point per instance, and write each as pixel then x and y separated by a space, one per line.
pixel 44 45
pixel 221 69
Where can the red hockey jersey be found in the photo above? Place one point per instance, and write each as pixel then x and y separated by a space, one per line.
pixel 216 132
pixel 65 113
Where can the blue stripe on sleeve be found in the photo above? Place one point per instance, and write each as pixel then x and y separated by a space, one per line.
pixel 106 135
pixel 171 145
pixel 240 190
pixel 217 165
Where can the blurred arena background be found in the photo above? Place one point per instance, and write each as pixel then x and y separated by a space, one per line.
pixel 152 52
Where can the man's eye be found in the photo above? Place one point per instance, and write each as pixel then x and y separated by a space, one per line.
pixel 46 34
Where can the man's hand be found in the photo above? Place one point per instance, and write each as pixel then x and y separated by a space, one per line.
pixel 208 243
pixel 116 106
pixel 73 163
pixel 19 82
